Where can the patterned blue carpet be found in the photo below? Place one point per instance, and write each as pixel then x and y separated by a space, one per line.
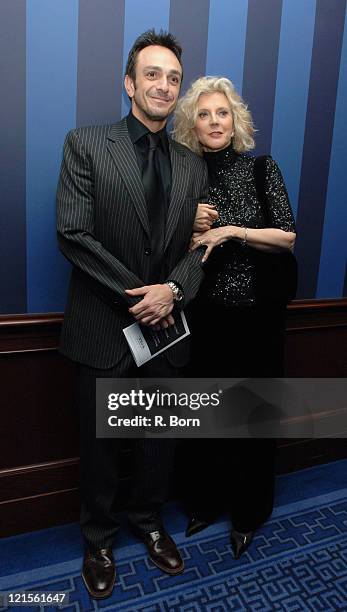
pixel 297 562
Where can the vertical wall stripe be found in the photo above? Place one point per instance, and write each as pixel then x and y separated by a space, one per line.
pixel 226 40
pixel 100 51
pixel 293 77
pixel 12 157
pixel 51 112
pixel 259 77
pixel 334 244
pixel 326 54
pixel 141 15
pixel 189 22
pixel 64 60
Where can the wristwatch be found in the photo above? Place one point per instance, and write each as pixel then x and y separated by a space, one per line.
pixel 176 291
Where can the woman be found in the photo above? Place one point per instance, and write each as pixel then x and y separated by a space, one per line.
pixel 212 120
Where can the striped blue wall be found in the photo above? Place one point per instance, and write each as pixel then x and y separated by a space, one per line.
pixel 62 65
pixel 51 63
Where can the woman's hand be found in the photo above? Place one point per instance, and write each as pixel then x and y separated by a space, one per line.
pixel 206 214
pixel 268 239
pixel 210 239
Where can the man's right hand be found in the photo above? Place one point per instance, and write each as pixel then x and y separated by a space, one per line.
pixel 156 303
pixel 164 323
pixel 206 214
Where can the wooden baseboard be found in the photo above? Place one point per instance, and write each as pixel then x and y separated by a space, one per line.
pixel 38 424
pixel 40 332
pixel 38 496
pixel 47 495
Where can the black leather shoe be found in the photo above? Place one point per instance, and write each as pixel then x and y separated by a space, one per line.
pixel 99 572
pixel 240 542
pixel 163 552
pixel 196 524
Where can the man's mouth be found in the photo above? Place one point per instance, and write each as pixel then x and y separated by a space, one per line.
pixel 160 99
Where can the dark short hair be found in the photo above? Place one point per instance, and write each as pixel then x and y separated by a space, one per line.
pixel 148 38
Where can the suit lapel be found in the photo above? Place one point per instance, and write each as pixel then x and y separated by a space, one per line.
pixel 122 151
pixel 180 181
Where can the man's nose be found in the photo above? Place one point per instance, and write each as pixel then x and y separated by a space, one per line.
pixel 163 83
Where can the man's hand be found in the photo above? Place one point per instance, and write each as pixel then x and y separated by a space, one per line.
pixel 164 323
pixel 206 214
pixel 155 307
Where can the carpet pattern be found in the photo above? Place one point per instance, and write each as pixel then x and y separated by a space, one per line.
pixel 297 562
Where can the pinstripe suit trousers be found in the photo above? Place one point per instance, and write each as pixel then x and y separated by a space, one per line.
pixel 152 461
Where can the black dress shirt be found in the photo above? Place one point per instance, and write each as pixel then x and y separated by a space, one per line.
pixel 138 136
pixel 138 132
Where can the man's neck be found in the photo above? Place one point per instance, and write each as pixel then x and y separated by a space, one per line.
pixel 152 125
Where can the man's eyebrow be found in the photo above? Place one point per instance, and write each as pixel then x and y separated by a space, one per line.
pixel 173 71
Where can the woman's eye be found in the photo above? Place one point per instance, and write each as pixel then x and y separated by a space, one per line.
pixel 223 113
pixel 202 115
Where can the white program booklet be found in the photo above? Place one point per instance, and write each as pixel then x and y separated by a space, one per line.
pixel 145 343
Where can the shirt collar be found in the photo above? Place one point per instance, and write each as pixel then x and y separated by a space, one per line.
pixel 137 130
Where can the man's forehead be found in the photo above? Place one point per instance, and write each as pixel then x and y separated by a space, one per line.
pixel 158 56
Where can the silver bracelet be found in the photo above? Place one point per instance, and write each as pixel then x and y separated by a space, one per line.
pixel 177 293
pixel 244 241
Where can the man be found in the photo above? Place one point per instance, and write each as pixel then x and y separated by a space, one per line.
pixel 126 203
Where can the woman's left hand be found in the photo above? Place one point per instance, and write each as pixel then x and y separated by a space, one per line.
pixel 210 239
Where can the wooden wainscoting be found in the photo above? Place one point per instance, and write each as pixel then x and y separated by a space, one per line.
pixel 39 427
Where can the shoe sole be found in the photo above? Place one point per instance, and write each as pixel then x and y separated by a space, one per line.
pixel 95 595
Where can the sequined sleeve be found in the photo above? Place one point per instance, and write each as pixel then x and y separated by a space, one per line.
pixel 280 212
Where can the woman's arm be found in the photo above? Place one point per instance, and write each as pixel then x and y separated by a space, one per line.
pixel 280 236
pixel 265 239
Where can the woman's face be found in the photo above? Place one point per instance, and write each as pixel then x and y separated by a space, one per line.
pixel 214 124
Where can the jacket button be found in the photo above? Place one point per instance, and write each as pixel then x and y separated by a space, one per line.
pixel 148 251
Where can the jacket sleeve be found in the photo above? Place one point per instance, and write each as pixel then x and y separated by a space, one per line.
pixel 75 226
pixel 189 271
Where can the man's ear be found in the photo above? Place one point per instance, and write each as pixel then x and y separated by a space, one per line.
pixel 129 86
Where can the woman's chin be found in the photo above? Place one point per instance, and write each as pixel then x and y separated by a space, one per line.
pixel 215 146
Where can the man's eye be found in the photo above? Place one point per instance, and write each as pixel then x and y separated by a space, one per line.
pixel 175 80
pixel 151 74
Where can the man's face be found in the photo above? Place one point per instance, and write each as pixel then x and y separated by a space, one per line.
pixel 157 85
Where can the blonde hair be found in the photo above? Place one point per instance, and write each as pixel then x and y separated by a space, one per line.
pixel 187 111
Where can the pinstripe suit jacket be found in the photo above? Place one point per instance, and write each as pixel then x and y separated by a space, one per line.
pixel 103 230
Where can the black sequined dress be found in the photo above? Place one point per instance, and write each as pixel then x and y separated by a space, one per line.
pixel 235 337
pixel 230 270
